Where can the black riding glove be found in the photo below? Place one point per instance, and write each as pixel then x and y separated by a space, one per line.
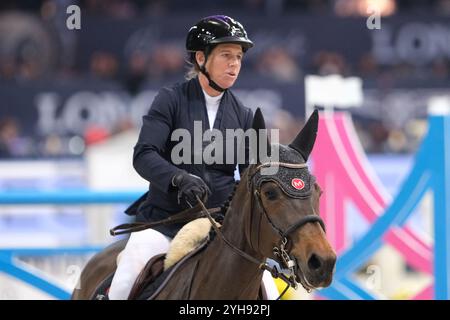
pixel 189 186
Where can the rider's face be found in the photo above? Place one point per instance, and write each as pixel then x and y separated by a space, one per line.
pixel 224 64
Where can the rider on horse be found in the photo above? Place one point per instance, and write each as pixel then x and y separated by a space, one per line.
pixel 216 46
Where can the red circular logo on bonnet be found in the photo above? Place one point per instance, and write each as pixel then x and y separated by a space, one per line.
pixel 298 184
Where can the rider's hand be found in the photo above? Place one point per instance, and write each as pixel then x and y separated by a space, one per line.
pixel 189 186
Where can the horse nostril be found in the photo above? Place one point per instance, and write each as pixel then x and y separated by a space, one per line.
pixel 314 262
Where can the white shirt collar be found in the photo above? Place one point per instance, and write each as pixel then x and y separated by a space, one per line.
pixel 212 101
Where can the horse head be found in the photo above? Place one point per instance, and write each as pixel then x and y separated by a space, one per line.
pixel 284 221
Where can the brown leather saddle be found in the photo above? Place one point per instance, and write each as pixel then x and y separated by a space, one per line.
pixel 153 278
pixel 148 276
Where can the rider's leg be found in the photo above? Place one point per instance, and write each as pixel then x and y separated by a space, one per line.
pixel 141 246
pixel 270 286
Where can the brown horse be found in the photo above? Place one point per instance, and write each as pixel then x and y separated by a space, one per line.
pixel 270 216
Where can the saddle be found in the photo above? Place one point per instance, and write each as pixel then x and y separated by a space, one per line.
pixel 153 271
pixel 191 238
pixel 153 278
pixel 156 274
pixel 150 281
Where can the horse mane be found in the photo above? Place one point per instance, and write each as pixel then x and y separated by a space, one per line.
pixel 194 232
pixel 226 205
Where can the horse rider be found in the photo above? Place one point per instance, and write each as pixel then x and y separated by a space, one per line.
pixel 216 46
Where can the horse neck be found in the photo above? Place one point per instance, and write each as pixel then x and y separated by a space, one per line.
pixel 224 264
pixel 235 224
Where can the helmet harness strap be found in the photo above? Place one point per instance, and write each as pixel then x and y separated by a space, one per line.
pixel 211 83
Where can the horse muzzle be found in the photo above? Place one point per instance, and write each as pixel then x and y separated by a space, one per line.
pixel 317 272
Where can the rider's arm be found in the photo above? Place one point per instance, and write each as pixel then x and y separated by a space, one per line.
pixel 156 129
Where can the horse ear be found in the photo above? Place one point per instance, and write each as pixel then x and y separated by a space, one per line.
pixel 304 142
pixel 258 120
pixel 260 124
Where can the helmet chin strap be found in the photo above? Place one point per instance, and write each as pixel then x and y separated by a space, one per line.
pixel 211 83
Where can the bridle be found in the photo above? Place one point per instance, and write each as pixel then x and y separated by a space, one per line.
pixel 280 251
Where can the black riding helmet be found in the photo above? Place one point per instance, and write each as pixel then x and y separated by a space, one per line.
pixel 211 31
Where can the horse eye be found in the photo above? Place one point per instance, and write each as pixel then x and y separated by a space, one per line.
pixel 271 194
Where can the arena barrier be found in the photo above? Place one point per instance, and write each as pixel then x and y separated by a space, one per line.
pixel 10 265
pixel 343 171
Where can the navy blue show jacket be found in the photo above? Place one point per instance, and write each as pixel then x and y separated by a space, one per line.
pixel 177 107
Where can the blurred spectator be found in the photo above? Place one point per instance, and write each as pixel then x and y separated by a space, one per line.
pixel 443 7
pixel 34 51
pixel 53 146
pixel 415 130
pixel 123 125
pixel 367 66
pixel 27 47
pixel 441 69
pixel 379 134
pixel 374 136
pixel 363 136
pixel 104 65
pixel 397 141
pixel 29 70
pixel 287 124
pixel 11 143
pixel 166 60
pixel 120 9
pixel 253 5
pixel 7 68
pixel 403 71
pixel 328 62
pixel 22 58
pixel 278 64
pixel 137 71
pixel 157 8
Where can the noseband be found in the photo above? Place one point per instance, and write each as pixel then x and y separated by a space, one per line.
pixel 283 256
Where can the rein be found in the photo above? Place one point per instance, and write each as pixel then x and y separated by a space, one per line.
pixel 262 265
pixel 183 216
pixel 280 251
